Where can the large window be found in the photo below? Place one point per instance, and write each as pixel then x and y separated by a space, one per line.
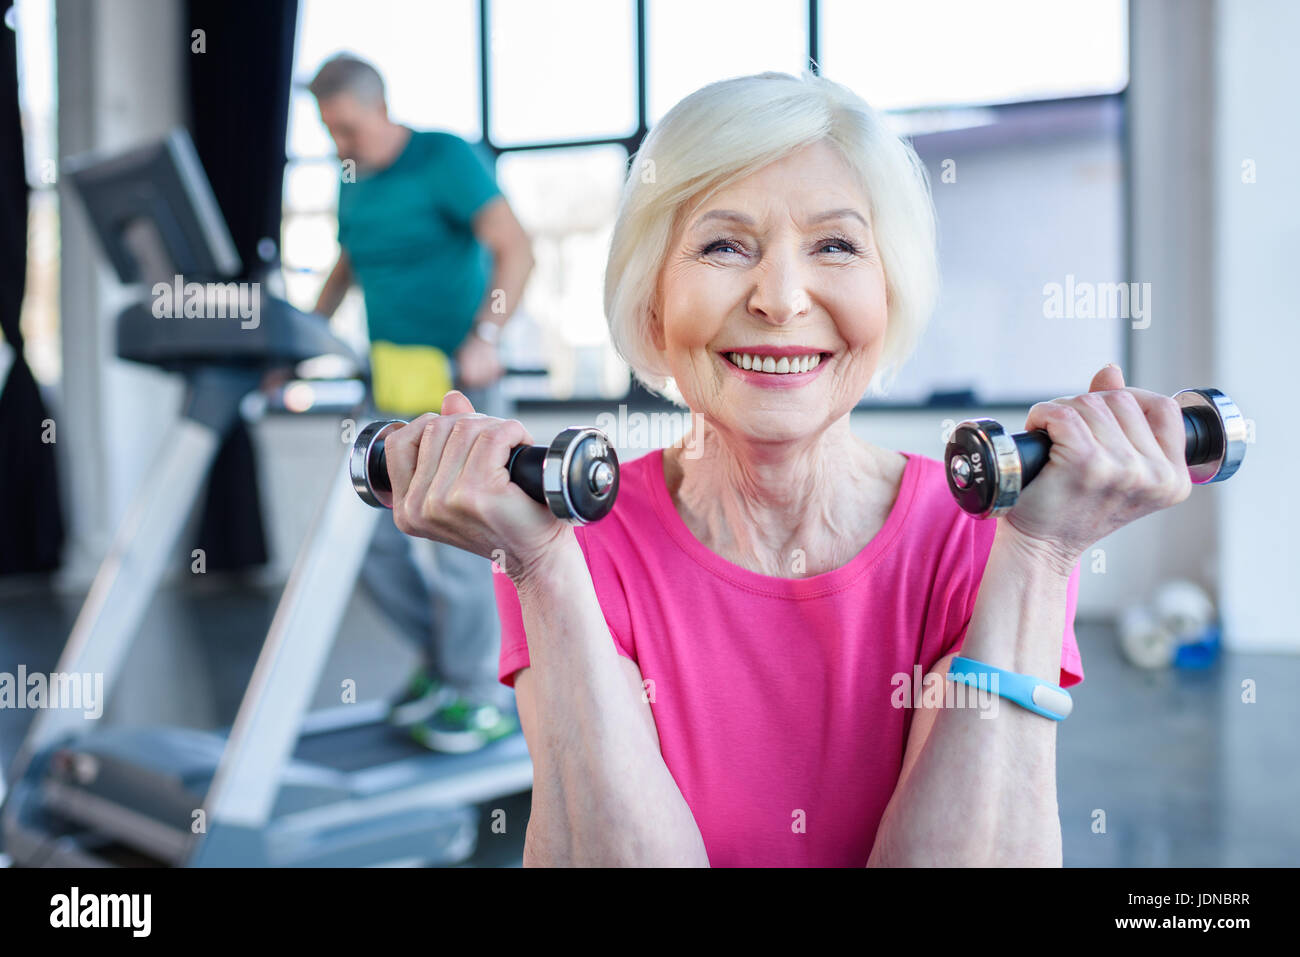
pixel 33 21
pixel 559 70
pixel 930 53
pixel 691 44
pixel 1015 106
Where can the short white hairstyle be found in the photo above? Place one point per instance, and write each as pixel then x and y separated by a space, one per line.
pixel 727 130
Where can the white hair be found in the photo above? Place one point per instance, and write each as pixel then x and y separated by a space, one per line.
pixel 727 130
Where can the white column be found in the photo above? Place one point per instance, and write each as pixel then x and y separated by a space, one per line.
pixel 1257 332
pixel 1170 126
pixel 120 83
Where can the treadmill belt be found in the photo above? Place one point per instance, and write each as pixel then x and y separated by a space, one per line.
pixel 372 745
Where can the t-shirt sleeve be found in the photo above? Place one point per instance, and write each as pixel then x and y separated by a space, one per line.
pixel 464 180
pixel 514 641
pixel 1071 662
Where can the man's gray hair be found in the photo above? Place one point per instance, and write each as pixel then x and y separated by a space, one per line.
pixel 346 73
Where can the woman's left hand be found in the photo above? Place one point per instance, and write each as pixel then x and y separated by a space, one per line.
pixel 1118 453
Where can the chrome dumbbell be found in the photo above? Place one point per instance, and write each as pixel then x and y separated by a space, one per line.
pixel 576 476
pixel 987 468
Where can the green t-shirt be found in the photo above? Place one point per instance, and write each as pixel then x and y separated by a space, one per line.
pixel 406 230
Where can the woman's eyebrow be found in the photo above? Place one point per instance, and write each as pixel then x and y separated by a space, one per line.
pixel 845 213
pixel 737 217
pixel 729 214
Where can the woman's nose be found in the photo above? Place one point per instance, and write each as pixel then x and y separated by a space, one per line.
pixel 780 291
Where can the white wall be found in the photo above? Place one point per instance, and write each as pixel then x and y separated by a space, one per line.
pixel 1170 130
pixel 1021 211
pixel 1257 330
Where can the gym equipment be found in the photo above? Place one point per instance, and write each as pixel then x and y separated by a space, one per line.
pixel 987 468
pixel 576 476
pixel 1145 639
pixel 1185 608
pixel 281 787
pixel 1177 627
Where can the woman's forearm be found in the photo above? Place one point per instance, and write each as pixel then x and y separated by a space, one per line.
pixel 983 789
pixel 601 793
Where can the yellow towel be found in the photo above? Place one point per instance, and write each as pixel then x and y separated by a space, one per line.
pixel 409 380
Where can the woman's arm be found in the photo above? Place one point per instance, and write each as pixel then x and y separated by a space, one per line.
pixel 602 795
pixel 982 791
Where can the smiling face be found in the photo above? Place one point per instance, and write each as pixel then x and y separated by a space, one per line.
pixel 778 271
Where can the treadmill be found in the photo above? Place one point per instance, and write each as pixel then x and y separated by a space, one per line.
pixel 281 786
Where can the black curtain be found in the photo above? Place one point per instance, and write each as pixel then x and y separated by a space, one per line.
pixel 31 522
pixel 240 65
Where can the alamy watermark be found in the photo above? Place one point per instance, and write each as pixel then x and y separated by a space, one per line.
pixel 57 690
pixel 211 300
pixel 1098 300
pixel 934 690
pixel 652 430
pixel 104 910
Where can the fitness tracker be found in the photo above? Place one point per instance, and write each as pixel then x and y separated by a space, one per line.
pixel 1034 694
pixel 488 331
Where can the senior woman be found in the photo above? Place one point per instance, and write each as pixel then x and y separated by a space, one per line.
pixel 710 675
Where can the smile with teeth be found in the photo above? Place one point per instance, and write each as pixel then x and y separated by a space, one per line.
pixel 782 366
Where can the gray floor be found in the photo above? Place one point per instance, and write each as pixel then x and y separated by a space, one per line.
pixel 192 660
pixel 1186 772
pixel 1155 769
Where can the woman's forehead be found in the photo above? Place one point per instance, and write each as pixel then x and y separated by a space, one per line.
pixel 814 184
pixel 808 207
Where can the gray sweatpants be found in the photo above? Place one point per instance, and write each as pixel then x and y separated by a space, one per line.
pixel 439 596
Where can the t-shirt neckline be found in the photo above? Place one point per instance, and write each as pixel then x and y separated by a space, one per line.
pixel 814 586
pixel 397 161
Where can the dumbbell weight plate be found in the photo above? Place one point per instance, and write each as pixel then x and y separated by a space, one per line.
pixel 983 469
pixel 1229 441
pixel 583 456
pixel 372 489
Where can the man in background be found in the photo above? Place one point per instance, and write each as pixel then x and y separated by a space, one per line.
pixel 442 262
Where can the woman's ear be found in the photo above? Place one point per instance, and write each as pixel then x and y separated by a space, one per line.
pixel 656 330
pixel 656 324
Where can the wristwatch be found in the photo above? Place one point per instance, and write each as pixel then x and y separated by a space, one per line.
pixel 488 331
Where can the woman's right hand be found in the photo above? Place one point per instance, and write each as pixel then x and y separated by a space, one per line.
pixel 450 484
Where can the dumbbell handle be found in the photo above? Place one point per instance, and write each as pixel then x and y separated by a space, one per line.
pixel 1204 443
pixel 525 468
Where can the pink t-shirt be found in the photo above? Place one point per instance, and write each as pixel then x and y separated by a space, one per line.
pixel 772 696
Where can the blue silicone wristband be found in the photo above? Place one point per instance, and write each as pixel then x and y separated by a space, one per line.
pixel 1033 694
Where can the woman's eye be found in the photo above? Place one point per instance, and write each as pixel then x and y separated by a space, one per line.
pixel 836 246
pixel 720 244
pixel 844 245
